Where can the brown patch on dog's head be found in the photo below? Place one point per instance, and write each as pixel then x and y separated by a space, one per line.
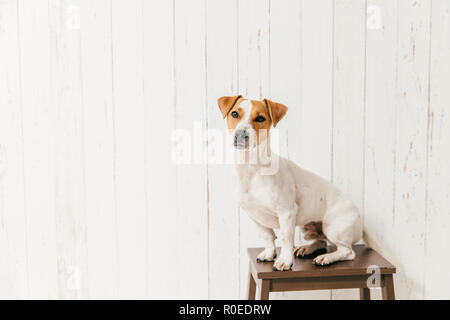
pixel 227 103
pixel 277 111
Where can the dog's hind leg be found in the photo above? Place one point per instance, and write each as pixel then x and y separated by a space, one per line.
pixel 342 227
pixel 312 231
pixel 342 253
pixel 309 249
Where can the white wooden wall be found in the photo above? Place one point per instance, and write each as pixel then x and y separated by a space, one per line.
pixel 91 205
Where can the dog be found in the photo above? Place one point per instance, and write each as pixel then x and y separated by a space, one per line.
pixel 289 196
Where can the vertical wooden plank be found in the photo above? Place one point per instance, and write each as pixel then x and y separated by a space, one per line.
pixel 129 122
pixel 98 119
pixel 223 214
pixel 190 115
pixel 39 120
pixel 364 294
pixel 160 172
pixel 285 67
pixel 438 204
pixel 254 83
pixel 254 48
pixel 312 146
pixel 348 107
pixel 411 146
pixel 13 242
pixel 380 122
pixel 265 290
pixel 66 88
pixel 388 292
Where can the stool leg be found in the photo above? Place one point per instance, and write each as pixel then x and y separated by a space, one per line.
pixel 388 289
pixel 251 285
pixel 364 293
pixel 265 290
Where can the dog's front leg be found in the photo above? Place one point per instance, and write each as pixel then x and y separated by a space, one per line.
pixel 270 251
pixel 287 231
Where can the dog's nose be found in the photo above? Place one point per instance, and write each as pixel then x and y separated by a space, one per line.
pixel 241 136
pixel 241 139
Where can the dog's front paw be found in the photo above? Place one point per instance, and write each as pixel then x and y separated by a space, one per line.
pixel 283 263
pixel 267 255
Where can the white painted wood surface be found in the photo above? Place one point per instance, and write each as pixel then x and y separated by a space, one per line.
pixel 438 189
pixel 39 120
pixel 414 29
pixel 91 204
pixel 191 215
pixel 99 146
pixel 66 96
pixel 14 280
pixel 159 96
pixel 129 154
pixel 223 215
pixel 348 101
pixel 380 133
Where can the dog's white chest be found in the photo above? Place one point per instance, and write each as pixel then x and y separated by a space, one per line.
pixel 252 187
pixel 255 195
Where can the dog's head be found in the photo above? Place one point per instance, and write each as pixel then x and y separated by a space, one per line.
pixel 250 120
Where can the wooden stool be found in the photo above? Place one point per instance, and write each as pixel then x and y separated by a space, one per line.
pixel 306 276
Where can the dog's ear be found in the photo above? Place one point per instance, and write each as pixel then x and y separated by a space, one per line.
pixel 276 111
pixel 227 103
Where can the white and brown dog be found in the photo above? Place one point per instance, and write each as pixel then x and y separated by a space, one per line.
pixel 290 196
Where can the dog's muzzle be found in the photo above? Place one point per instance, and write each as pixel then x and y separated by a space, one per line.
pixel 241 139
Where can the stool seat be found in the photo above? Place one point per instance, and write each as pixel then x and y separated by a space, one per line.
pixel 304 275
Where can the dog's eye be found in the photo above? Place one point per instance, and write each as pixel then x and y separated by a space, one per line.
pixel 235 114
pixel 260 119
